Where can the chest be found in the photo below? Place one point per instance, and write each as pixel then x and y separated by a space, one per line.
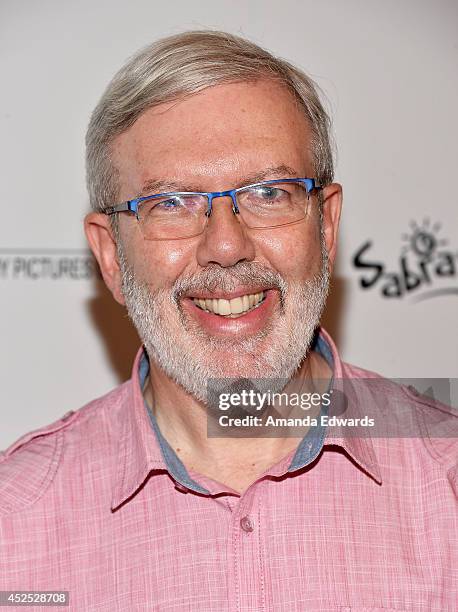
pixel 302 543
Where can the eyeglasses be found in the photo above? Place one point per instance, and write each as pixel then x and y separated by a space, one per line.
pixel 270 204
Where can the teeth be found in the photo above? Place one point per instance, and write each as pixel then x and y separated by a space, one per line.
pixel 207 304
pixel 237 305
pixel 228 308
pixel 224 307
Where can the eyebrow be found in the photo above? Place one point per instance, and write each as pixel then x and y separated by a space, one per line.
pixel 152 186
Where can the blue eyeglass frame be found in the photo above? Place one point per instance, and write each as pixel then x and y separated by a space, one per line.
pixel 132 205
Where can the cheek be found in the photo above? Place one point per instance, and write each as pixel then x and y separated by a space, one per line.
pixel 295 253
pixel 162 262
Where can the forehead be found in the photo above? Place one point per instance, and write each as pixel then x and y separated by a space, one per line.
pixel 222 133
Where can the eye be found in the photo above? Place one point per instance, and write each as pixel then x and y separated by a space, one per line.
pixel 169 203
pixel 269 193
pixel 174 205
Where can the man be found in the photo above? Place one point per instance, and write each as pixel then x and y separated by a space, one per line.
pixel 215 222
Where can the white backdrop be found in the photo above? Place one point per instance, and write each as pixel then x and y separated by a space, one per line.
pixel 388 69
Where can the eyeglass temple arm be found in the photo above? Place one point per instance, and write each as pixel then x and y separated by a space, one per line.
pixel 130 205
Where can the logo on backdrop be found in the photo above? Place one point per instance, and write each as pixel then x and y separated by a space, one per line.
pixel 424 261
pixel 49 264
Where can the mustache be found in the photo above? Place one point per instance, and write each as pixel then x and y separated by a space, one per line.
pixel 226 279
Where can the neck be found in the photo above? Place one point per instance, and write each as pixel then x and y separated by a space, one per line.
pixel 182 420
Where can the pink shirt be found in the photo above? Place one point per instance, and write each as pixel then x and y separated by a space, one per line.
pixel 93 505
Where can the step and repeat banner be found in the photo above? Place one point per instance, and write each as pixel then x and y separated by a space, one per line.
pixel 388 72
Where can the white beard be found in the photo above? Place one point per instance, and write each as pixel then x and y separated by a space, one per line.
pixel 192 358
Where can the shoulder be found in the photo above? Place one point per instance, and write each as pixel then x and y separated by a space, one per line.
pixel 30 464
pixel 434 422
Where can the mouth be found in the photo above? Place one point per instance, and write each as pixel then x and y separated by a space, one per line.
pixel 243 312
pixel 231 308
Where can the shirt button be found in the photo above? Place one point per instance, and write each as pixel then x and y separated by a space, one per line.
pixel 246 524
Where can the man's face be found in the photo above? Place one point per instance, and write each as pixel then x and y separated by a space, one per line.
pixel 226 136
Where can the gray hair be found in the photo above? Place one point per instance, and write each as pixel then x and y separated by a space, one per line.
pixel 182 65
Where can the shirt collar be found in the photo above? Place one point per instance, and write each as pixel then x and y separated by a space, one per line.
pixel 361 449
pixel 138 451
pixel 141 452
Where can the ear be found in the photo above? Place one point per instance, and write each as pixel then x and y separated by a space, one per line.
pixel 103 245
pixel 332 206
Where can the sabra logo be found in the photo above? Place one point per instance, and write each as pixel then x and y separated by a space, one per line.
pixel 423 261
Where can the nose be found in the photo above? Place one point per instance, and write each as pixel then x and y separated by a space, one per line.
pixel 225 240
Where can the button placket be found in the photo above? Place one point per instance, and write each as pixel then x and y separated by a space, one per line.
pixel 243 510
pixel 244 552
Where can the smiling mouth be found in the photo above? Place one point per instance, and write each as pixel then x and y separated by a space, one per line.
pixel 231 309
